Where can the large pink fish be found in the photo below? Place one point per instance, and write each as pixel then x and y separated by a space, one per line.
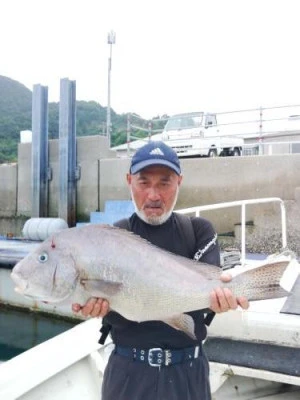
pixel 141 281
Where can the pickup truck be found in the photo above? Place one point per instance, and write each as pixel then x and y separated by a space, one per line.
pixel 198 134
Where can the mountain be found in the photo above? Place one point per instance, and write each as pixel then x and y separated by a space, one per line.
pixel 15 116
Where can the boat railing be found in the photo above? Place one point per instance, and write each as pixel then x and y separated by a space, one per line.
pixel 242 204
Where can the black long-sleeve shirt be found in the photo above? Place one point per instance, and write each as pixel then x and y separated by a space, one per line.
pixel 169 236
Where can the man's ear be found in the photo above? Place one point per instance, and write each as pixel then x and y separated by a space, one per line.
pixel 180 179
pixel 128 178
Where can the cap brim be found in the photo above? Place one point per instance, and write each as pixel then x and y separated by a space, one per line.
pixel 148 163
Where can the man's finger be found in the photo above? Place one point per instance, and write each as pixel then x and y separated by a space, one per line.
pixel 214 304
pixel 230 299
pixel 243 302
pixel 105 308
pixel 88 307
pixel 76 307
pixel 222 299
pixel 226 277
pixel 97 308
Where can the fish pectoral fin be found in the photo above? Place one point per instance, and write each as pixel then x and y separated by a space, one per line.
pixel 100 288
pixel 184 323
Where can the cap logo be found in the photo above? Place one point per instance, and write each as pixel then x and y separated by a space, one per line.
pixel 157 151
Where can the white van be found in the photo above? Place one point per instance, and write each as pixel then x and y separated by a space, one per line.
pixel 197 134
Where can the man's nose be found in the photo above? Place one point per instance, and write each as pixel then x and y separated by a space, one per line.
pixel 153 193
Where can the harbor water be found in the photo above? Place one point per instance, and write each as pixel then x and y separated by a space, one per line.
pixel 21 330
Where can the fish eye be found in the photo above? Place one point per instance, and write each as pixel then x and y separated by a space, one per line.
pixel 43 257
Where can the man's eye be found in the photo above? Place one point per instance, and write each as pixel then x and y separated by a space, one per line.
pixel 165 184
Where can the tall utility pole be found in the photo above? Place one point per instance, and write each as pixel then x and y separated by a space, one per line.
pixel 111 39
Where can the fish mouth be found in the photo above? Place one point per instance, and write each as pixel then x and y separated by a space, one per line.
pixel 23 289
pixel 43 299
pixel 21 284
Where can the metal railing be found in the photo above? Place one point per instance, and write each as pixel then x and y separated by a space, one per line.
pixel 243 203
pixel 254 148
pixel 272 148
pixel 257 123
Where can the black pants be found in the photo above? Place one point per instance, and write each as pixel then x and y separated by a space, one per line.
pixel 125 379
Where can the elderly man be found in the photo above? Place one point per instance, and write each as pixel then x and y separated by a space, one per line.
pixel 133 371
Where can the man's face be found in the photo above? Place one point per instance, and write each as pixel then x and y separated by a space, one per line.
pixel 154 192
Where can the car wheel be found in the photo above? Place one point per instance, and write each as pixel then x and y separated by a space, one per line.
pixel 212 153
pixel 236 152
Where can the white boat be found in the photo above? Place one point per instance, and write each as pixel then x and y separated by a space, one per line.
pixel 254 354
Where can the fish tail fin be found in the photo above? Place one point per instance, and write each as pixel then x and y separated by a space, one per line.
pixel 264 282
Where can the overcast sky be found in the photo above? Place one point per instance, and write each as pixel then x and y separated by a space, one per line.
pixel 169 56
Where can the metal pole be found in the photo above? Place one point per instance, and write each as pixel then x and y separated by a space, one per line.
pixel 111 39
pixel 283 225
pixel 260 130
pixel 149 130
pixel 108 99
pixel 67 151
pixel 243 234
pixel 39 149
pixel 128 135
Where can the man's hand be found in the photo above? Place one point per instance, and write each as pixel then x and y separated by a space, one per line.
pixel 222 299
pixel 94 307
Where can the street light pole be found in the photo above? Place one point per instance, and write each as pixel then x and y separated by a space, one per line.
pixel 111 39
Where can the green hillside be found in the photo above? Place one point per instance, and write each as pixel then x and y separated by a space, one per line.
pixel 15 116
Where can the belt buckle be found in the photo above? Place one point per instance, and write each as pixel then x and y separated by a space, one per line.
pixel 159 357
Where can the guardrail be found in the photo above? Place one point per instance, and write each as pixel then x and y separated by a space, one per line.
pixel 257 123
pixel 249 149
pixel 243 203
pixel 272 148
pixel 254 148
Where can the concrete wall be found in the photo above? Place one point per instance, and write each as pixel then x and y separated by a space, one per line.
pixel 23 183
pixel 8 189
pixel 216 180
pixel 206 181
pixel 89 151
pixel 239 178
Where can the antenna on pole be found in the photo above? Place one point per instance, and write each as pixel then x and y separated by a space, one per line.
pixel 111 39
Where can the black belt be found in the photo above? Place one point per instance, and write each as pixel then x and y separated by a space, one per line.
pixel 157 357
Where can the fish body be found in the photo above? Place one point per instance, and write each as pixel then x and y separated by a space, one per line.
pixel 141 281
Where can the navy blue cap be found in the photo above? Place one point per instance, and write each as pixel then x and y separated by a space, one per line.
pixel 155 153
